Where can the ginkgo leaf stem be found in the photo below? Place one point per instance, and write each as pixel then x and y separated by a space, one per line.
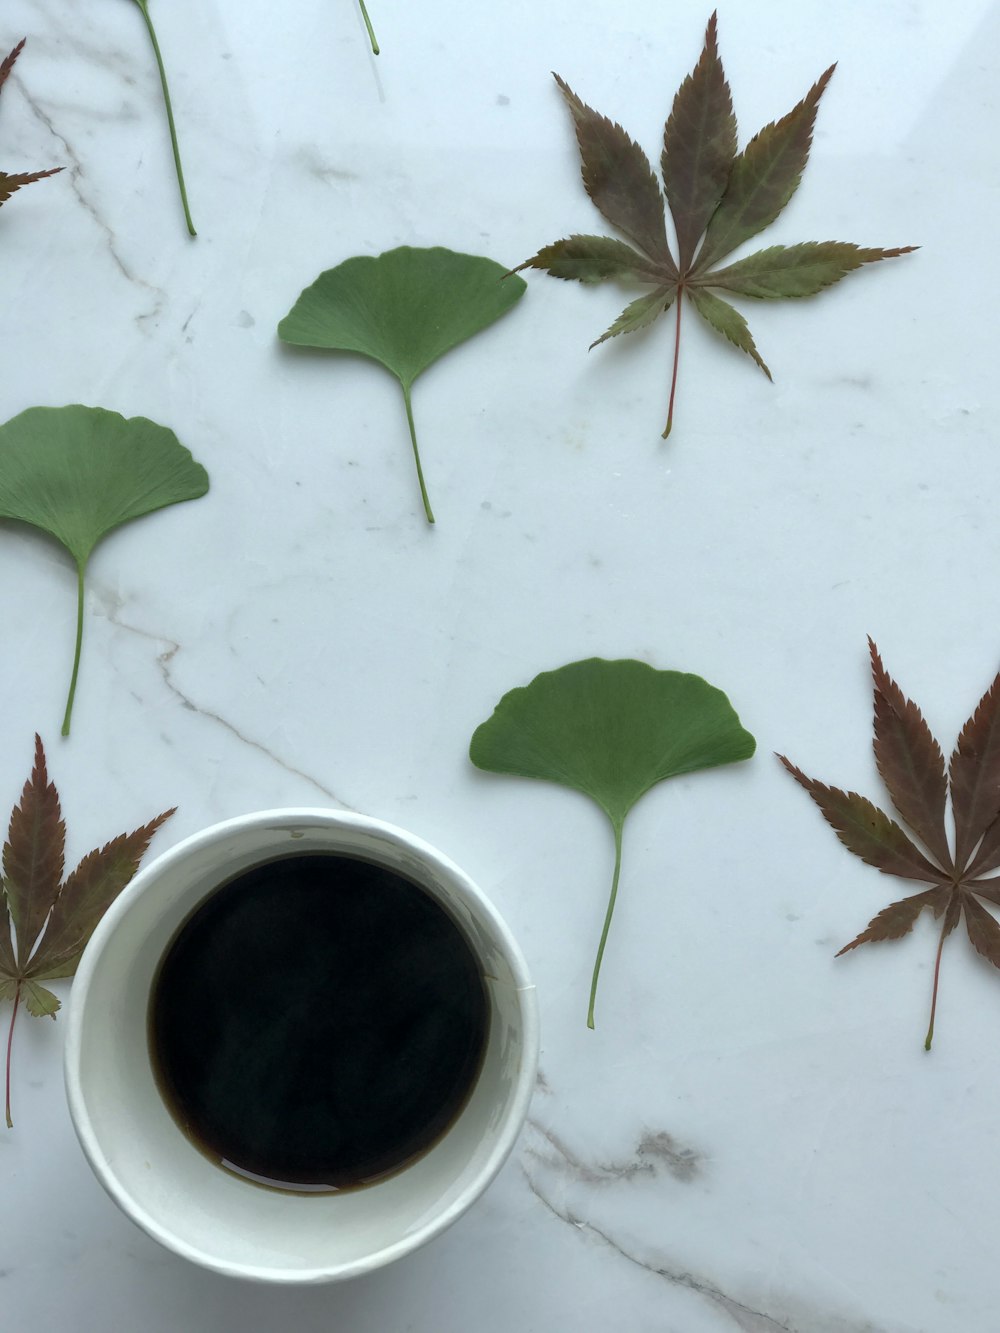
pixel 607 924
pixel 76 653
pixel 416 453
pixel 937 974
pixel 368 25
pixel 10 1040
pixel 143 6
pixel 677 355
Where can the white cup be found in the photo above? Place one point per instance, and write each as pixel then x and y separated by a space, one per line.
pixel 172 1190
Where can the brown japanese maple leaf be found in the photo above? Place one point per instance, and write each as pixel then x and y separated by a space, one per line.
pixel 45 923
pixel 9 183
pixel 912 767
pixel 718 198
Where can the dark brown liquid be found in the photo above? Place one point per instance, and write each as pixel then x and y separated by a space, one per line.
pixel 318 1023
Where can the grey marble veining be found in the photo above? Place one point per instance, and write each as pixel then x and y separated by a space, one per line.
pixel 753 1138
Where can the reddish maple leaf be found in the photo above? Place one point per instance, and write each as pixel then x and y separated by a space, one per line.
pixel 912 767
pixel 718 198
pixel 45 922
pixel 10 183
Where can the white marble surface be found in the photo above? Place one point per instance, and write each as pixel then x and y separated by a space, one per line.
pixel 753 1139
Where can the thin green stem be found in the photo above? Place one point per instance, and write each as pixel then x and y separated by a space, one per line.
pixel 677 355
pixel 937 973
pixel 79 644
pixel 10 1041
pixel 170 114
pixel 607 924
pixel 368 25
pixel 416 452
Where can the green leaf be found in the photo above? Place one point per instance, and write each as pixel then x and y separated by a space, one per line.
pixel 143 8
pixel 640 313
pixel 728 321
pixel 79 472
pixel 404 308
pixel 38 1001
pixel 611 730
pixel 790 271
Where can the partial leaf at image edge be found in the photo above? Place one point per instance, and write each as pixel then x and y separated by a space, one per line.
pixel 47 920
pixel 78 473
pixel 404 308
pixel 12 181
pixel 911 765
pixel 611 730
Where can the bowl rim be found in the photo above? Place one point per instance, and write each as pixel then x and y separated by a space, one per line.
pixel 515 1112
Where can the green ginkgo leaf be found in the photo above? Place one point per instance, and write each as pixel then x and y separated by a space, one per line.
pixel 79 472
pixel 611 730
pixel 404 309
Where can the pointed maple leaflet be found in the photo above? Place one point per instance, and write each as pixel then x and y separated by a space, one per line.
pixel 718 198
pixel 10 183
pixel 912 766
pixel 46 921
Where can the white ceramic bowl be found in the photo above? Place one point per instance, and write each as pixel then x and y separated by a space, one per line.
pixel 153 1171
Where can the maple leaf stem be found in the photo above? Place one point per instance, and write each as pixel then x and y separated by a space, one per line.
pixel 416 454
pixel 143 6
pixel 368 25
pixel 10 1039
pixel 607 925
pixel 937 973
pixel 76 654
pixel 673 377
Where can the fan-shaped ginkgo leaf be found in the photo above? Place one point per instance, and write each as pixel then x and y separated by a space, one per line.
pixel 404 309
pixel 612 730
pixel 79 472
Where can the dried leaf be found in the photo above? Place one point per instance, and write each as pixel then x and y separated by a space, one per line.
pixel 699 148
pixel 53 920
pixel 867 831
pixel 11 182
pixel 33 856
pixel 911 764
pixel 717 198
pixel 894 921
pixel 974 772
